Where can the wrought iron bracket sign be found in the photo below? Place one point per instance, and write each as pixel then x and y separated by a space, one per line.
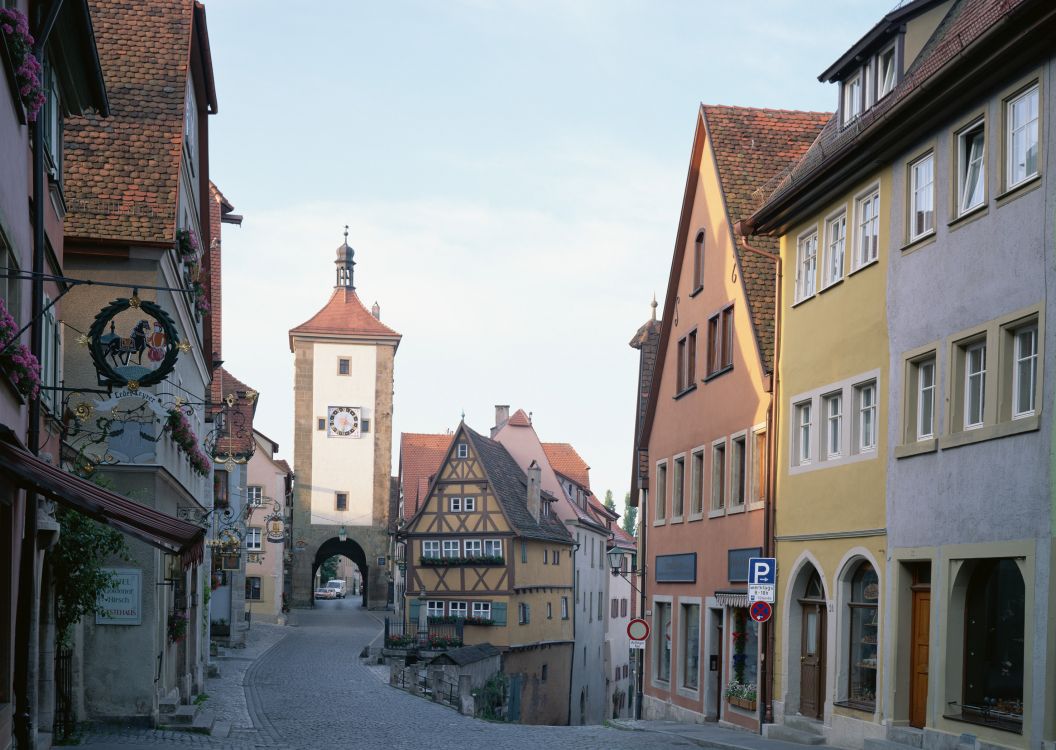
pixel 113 353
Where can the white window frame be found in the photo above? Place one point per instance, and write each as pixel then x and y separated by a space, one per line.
pixel 462 451
pixel 832 408
pixel 1018 357
pixel 254 539
pixel 835 248
pixel 458 609
pixel 482 610
pixel 887 78
pixel 867 215
pixel 757 466
pixel 1030 131
pixel 738 439
pixel 866 438
pixel 980 376
pixel 851 107
pixel 434 608
pixel 719 477
pixel 454 504
pixel 431 548
pixel 804 429
pixel 967 156
pixel 472 547
pixel 451 548
pixel 919 367
pixel 660 491
pixel 921 193
pixel 806 265
pixel 469 504
pixel 254 496
pixel 493 548
pixel 524 613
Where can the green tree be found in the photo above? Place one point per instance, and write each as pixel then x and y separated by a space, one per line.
pixel 77 568
pixel 328 569
pixel 609 502
pixel 630 514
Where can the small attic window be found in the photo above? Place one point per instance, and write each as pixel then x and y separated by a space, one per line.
pixel 462 451
pixel 887 74
pixel 852 97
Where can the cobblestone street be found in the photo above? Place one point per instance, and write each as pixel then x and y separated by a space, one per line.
pixel 306 688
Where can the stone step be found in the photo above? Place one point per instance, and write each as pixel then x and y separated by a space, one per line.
pixel 877 744
pixel 788 734
pixel 906 736
pixel 221 729
pixel 203 722
pixel 805 724
pixel 170 702
pixel 182 716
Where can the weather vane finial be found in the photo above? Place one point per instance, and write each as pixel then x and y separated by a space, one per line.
pixel 346 234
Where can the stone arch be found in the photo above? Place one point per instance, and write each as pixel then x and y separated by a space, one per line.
pixel 802 570
pixel 349 549
pixel 840 624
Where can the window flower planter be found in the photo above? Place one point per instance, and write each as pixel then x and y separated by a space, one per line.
pixel 441 562
pixel 28 73
pixel 745 703
pixel 187 442
pixel 20 368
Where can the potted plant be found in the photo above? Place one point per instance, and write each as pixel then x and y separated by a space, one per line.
pixel 220 627
pixel 28 73
pixel 17 363
pixel 741 695
pixel 177 625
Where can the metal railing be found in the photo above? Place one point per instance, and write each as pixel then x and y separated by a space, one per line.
pixel 436 634
pixel 64 721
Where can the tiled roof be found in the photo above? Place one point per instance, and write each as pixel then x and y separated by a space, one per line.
pixel 344 315
pixel 281 463
pixel 238 434
pixel 510 485
pixel 964 24
pixel 520 419
pixel 565 460
pixel 623 539
pixel 121 174
pixel 420 458
pixel 750 147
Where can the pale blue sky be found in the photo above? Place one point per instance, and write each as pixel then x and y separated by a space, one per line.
pixel 512 174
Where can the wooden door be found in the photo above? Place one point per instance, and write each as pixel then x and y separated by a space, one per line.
pixel 918 669
pixel 812 661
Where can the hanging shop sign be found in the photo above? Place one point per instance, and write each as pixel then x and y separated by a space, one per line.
pixel 275 527
pixel 133 343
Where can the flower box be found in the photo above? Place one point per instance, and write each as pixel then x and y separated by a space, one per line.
pixel 745 703
pixel 440 562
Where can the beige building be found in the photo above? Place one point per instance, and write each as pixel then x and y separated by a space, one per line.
pixel 270 496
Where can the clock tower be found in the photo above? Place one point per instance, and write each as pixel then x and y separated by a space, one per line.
pixel 343 384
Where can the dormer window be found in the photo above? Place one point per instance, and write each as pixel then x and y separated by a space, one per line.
pixel 887 77
pixel 852 97
pixel 463 450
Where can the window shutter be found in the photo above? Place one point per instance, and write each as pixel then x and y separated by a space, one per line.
pixel 498 613
pixel 412 612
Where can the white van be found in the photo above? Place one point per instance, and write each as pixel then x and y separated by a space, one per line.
pixel 337 585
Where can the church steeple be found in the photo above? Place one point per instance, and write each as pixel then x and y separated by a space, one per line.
pixel 345 264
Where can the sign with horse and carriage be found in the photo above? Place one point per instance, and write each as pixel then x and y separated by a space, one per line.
pixel 133 343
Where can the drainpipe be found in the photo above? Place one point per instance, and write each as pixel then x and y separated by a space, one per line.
pixel 643 505
pixel 27 626
pixel 766 683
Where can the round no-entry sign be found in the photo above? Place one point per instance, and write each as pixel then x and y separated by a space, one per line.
pixel 760 611
pixel 638 629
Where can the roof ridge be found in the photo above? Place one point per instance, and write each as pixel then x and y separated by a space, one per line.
pixel 765 109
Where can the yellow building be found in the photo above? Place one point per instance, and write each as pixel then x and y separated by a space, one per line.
pixel 485 551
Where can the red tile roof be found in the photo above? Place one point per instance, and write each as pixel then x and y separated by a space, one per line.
pixel 420 457
pixel 520 419
pixel 565 460
pixel 121 174
pixel 622 538
pixel 750 147
pixel 344 315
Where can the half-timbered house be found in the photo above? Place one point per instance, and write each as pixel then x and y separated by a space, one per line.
pixel 485 548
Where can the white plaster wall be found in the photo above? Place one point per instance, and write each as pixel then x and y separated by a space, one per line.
pixel 343 464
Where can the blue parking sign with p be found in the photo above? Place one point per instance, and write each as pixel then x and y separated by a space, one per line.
pixel 762 570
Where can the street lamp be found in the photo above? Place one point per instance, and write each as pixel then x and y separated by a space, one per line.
pixel 342 534
pixel 616 559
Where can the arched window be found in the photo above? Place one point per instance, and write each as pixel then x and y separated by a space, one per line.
pixel 698 262
pixel 993 645
pixel 814 590
pixel 865 628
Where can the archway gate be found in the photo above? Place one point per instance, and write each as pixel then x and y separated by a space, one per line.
pixel 365 546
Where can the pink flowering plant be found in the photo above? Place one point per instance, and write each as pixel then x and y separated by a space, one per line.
pixel 29 76
pixel 186 244
pixel 201 299
pixel 179 427
pixel 16 359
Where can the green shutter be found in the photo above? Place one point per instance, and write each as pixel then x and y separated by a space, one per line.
pixel 498 613
pixel 412 612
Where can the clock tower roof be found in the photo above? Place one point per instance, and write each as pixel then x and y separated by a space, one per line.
pixel 344 317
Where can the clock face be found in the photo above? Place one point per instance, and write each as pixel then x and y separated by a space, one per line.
pixel 343 421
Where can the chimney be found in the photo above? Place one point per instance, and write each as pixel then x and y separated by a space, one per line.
pixel 502 416
pixel 534 499
pixel 375 310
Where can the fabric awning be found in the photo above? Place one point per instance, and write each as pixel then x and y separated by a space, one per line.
pixel 732 598
pixel 146 524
